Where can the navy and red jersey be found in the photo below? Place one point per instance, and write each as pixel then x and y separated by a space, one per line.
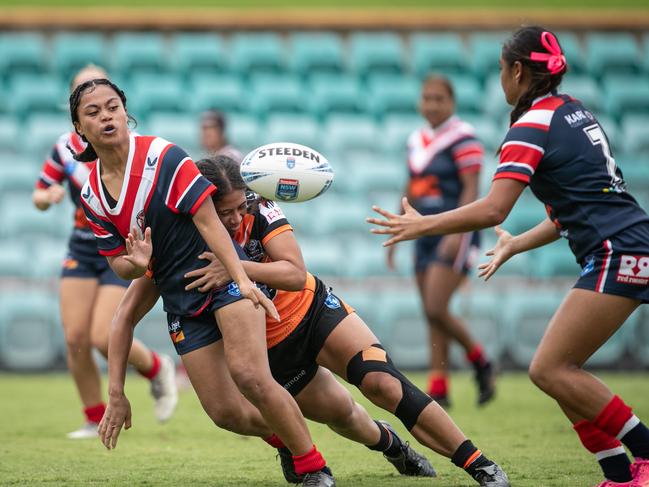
pixel 260 226
pixel 436 159
pixel 562 152
pixel 60 167
pixel 163 190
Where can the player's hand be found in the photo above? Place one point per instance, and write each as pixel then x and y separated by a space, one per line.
pixel 402 227
pixel 211 276
pixel 118 414
pixel 56 193
pixel 253 293
pixel 389 258
pixel 500 254
pixel 139 250
pixel 449 246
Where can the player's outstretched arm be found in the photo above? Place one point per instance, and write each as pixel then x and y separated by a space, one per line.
pixel 138 300
pixel 507 245
pixel 135 262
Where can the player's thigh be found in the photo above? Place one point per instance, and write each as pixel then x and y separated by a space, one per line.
pixel 347 339
pixel 324 399
pixel 77 296
pixel 439 283
pixel 581 325
pixel 106 303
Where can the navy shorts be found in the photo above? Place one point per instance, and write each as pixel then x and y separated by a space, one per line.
pixel 426 253
pixel 190 333
pixel 84 261
pixel 293 360
pixel 619 266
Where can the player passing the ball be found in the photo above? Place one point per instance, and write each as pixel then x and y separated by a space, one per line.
pixel 557 147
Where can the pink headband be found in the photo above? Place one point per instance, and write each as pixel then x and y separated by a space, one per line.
pixel 556 60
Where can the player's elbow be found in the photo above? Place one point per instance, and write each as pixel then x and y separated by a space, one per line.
pixel 297 280
pixel 495 214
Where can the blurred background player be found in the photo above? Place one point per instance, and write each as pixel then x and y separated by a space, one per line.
pixel 444 162
pixel 213 136
pixel 90 291
pixel 557 147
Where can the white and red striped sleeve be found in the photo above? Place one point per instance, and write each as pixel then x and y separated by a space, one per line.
pixel 53 170
pixel 468 155
pixel 109 240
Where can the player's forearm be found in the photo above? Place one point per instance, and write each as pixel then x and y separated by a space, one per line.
pixel 278 275
pixel 473 216
pixel 121 339
pixel 125 269
pixel 542 234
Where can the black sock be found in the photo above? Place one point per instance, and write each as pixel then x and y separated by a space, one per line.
pixel 637 441
pixel 616 467
pixel 389 443
pixel 469 458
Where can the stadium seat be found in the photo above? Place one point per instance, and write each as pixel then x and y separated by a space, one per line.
pixel 608 52
pixel 20 217
pixel 138 52
pixel 335 94
pixel 16 175
pixel 182 130
pixel 406 334
pixel 395 130
pixel 8 134
pixel 73 51
pixel 365 256
pixel 256 53
pixel 613 133
pixel 318 52
pixel 348 132
pixel 48 257
pixel 527 213
pixel 32 94
pixel 277 94
pixel 635 132
pixel 244 132
pixel 468 93
pixel 22 53
pixel 526 315
pixel 152 330
pixel 486 130
pixel 322 257
pixel 390 94
pixel 302 217
pixel 14 258
pixel 635 168
pixel 363 300
pixel 198 53
pixel 584 89
pixel 298 128
pixel 155 93
pixel 626 94
pixel 343 215
pixel 573 51
pixel 27 331
pixel 484 52
pixel 222 92
pixel 494 104
pixel 373 174
pixel 376 52
pixel 43 131
pixel 554 260
pixel 638 337
pixel 437 53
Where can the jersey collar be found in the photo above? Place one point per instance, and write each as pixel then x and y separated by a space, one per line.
pixel 127 172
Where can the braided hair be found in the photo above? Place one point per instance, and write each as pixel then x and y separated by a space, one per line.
pixel 89 154
pixel 519 48
pixel 222 172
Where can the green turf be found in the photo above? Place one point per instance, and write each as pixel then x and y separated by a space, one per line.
pixel 289 4
pixel 522 429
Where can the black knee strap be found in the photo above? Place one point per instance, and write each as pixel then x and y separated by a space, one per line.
pixel 375 359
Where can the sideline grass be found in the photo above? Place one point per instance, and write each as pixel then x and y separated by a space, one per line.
pixel 522 429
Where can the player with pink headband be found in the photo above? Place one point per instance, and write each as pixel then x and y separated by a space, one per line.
pixel 557 147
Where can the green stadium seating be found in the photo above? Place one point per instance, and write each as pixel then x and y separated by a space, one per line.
pixel 47 257
pixel 15 175
pixel 484 52
pixel 318 52
pixel 138 52
pixel 28 331
pixel 43 131
pixel 389 94
pixel 343 215
pixel 156 93
pixel 635 132
pixel 198 53
pixel 613 133
pixel 277 94
pixel 526 316
pixel 494 104
pixel 256 52
pixel 486 130
pixel 573 51
pixel 626 94
pixel 438 53
pixel 182 130
pixel 14 258
pixel 468 93
pixel 373 174
pixel 364 302
pixel 22 53
pixel 298 128
pixel 302 217
pixel 635 169
pixel 585 89
pixel 31 94
pixel 322 257
pixel 617 52
pixel 73 51
pixel 20 217
pixel 244 132
pixel 638 336
pixel 8 134
pixel 395 130
pixel 376 52
pixel 527 213
pixel 222 92
pixel 332 93
pixel 554 260
pixel 343 133
pixel 365 257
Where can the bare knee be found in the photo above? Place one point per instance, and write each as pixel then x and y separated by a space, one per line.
pixel 100 342
pixel 382 389
pixel 227 418
pixel 547 375
pixel 253 384
pixel 78 342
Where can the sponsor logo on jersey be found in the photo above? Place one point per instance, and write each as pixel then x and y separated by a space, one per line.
pixel 332 302
pixel 86 195
pixel 233 290
pixel 590 265
pixel 634 269
pixel 176 331
pixel 295 379
pixel 578 118
pixel 290 162
pixel 150 163
pixel 287 189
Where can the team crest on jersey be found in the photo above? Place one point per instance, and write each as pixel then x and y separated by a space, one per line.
pixel 589 267
pixel 233 290
pixel 140 220
pixel 254 250
pixel 332 302
pixel 176 331
pixel 634 269
pixel 287 189
pixel 290 162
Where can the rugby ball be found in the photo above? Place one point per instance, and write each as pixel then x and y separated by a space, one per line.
pixel 283 171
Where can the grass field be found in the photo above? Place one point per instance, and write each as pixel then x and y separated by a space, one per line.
pixel 522 429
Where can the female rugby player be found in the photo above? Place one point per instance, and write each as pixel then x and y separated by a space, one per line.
pixel 90 290
pixel 150 210
pixel 558 147
pixel 444 163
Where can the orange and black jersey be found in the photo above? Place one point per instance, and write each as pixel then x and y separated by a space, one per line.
pixel 263 223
